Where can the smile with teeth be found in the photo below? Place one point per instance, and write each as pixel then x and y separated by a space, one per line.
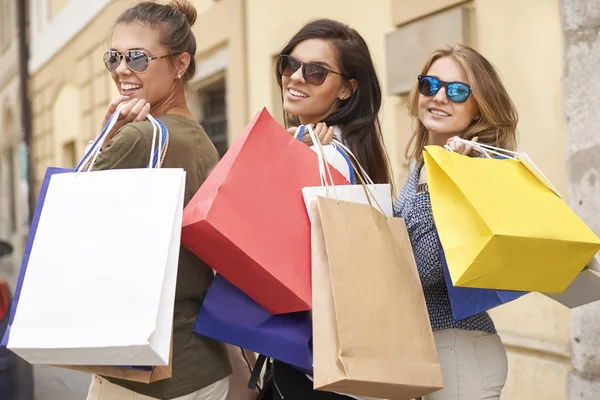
pixel 129 86
pixel 439 112
pixel 296 93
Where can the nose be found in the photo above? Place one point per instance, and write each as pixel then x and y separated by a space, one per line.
pixel 440 96
pixel 122 68
pixel 297 76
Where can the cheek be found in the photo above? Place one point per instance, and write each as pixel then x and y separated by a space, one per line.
pixel 468 111
pixel 325 94
pixel 422 105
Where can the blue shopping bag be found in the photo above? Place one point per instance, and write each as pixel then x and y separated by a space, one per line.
pixel 466 302
pixel 228 315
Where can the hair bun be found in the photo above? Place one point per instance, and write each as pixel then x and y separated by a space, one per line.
pixel 186 8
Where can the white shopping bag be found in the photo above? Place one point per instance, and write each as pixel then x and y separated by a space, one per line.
pixel 585 289
pixel 99 284
pixel 378 195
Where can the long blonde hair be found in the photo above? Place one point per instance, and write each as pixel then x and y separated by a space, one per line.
pixel 497 125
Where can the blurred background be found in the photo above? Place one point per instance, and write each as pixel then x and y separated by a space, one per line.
pixel 54 91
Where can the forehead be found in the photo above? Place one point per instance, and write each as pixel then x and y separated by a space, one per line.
pixel 315 50
pixel 136 36
pixel 448 70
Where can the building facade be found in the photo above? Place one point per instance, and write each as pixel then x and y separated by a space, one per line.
pixel 13 155
pixel 238 42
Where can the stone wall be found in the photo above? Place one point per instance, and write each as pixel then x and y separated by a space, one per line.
pixel 581 19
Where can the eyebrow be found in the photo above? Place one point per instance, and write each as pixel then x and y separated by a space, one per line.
pixel 454 81
pixel 134 48
pixel 323 63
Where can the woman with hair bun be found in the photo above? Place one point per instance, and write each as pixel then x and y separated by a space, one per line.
pixel 151 59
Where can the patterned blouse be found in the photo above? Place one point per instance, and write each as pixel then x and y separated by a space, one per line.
pixel 415 209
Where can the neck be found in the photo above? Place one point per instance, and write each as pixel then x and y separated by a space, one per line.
pixel 174 103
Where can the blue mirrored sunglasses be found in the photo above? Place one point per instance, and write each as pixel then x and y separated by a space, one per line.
pixel 456 92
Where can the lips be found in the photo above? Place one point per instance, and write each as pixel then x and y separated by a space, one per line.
pixel 128 88
pixel 438 112
pixel 297 93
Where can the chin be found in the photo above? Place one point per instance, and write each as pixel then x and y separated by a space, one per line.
pixel 291 110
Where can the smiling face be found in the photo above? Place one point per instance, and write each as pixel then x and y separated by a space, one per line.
pixel 313 103
pixel 441 117
pixel 157 84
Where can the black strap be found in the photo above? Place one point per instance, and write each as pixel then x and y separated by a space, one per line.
pixel 258 366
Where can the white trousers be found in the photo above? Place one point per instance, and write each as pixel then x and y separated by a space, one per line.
pixel 474 365
pixel 101 389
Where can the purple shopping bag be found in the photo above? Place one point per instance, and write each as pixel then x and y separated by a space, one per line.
pixel 466 302
pixel 228 315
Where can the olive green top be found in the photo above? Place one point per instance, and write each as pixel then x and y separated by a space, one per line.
pixel 197 361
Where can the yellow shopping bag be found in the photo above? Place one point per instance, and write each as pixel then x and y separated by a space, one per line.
pixel 502 227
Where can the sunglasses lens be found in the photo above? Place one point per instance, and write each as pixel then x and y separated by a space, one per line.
pixel 429 86
pixel 137 60
pixel 288 65
pixel 111 60
pixel 458 92
pixel 315 74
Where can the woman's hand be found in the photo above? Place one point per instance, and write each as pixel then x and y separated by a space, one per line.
pixel 460 147
pixel 324 133
pixel 134 110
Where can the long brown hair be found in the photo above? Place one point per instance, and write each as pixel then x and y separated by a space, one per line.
pixel 357 115
pixel 497 125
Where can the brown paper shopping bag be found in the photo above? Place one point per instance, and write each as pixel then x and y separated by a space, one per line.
pixel 371 330
pixel 157 373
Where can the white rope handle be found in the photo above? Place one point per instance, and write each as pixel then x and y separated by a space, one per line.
pixel 324 165
pixel 97 146
pixel 513 155
pixel 351 154
pixel 486 149
pixel 156 126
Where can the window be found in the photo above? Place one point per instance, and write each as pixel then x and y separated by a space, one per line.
pixel 69 155
pixel 212 106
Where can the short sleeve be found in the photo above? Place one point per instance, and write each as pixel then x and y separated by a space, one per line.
pixel 127 149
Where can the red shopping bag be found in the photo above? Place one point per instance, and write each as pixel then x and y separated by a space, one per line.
pixel 248 220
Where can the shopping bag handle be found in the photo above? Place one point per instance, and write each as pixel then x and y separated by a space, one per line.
pixel 485 149
pixel 157 155
pixel 324 166
pixel 523 158
pixel 347 151
pixel 300 135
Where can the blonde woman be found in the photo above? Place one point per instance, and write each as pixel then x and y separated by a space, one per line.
pixel 457 94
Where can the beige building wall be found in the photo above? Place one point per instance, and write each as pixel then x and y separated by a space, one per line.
pixel 239 39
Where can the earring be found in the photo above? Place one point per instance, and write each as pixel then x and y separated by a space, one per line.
pixel 178 76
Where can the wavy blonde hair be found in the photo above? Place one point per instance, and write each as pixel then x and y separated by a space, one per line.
pixel 497 125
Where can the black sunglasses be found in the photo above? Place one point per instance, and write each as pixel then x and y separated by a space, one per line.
pixel 456 92
pixel 136 60
pixel 313 73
